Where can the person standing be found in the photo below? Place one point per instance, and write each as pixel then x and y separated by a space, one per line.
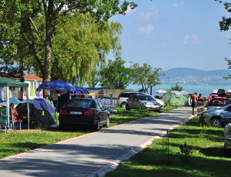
pixel 200 98
pixel 14 111
pixel 193 101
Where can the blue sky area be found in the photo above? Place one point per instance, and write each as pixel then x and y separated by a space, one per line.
pixel 171 33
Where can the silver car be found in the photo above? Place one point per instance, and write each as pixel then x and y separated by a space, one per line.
pixel 162 103
pixel 143 100
pixel 217 117
pixel 123 96
pixel 227 139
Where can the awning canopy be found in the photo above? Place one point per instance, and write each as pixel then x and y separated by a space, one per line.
pixel 6 82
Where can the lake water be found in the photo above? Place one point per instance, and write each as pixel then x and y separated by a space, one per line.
pixel 205 90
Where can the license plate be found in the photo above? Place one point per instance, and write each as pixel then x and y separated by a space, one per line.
pixel 78 113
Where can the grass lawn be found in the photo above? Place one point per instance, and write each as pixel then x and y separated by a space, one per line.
pixel 164 158
pixel 20 141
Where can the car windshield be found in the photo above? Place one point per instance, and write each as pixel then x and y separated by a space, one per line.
pixel 145 97
pixel 79 103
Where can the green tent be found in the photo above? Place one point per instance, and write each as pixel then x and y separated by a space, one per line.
pixel 6 83
pixel 176 99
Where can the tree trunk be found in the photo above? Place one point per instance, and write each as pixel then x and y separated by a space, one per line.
pixel 48 47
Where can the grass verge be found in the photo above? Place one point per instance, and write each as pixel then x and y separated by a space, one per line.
pixel 24 140
pixel 165 158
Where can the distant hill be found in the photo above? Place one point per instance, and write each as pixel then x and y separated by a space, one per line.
pixel 192 76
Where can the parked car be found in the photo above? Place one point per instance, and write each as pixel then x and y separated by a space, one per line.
pixel 217 102
pixel 162 103
pixel 217 117
pixel 213 94
pixel 144 100
pixel 123 96
pixel 84 112
pixel 227 140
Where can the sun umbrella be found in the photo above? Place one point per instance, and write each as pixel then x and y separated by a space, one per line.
pixel 160 91
pixel 57 85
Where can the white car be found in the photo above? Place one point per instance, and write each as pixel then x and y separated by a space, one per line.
pixel 162 103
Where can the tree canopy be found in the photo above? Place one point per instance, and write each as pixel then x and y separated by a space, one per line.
pixel 176 87
pixel 145 75
pixel 40 29
pixel 115 74
pixel 224 26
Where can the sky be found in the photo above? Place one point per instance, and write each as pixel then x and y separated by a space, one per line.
pixel 175 33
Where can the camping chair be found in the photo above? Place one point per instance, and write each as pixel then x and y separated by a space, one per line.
pixel 3 119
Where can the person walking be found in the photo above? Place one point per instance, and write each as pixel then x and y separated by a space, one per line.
pixel 193 101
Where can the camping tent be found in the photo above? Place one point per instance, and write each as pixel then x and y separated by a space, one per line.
pixel 41 112
pixel 176 97
pixel 6 83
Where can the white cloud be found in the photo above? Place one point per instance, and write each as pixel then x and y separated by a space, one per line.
pixel 178 4
pixel 129 11
pixel 150 14
pixel 147 31
pixel 191 39
pixel 227 36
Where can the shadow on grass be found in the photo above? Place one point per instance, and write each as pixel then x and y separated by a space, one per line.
pixel 157 162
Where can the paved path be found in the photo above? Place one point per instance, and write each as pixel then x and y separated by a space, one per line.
pixel 95 153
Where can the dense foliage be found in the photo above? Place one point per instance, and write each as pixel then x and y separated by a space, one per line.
pixel 115 74
pixel 41 33
pixel 145 75
pixel 176 87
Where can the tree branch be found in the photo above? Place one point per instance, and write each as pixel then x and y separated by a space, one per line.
pixel 25 39
pixel 45 7
pixel 58 9
pixel 36 30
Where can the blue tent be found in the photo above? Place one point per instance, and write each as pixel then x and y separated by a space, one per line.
pixel 14 100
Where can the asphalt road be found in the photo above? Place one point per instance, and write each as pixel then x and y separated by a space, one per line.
pixel 94 153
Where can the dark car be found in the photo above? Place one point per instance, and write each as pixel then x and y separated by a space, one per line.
pixel 84 112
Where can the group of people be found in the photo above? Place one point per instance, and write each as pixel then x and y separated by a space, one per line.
pixel 194 98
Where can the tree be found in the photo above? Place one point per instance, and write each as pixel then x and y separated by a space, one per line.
pixel 115 74
pixel 82 46
pixel 95 78
pixel 176 87
pixel 145 75
pixel 224 26
pixel 18 21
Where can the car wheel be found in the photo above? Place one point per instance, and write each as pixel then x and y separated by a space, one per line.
pixel 108 122
pixel 97 125
pixel 127 107
pixel 123 105
pixel 216 122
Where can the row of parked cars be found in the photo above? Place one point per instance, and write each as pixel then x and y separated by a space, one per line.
pixel 90 112
pixel 134 100
pixel 218 113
